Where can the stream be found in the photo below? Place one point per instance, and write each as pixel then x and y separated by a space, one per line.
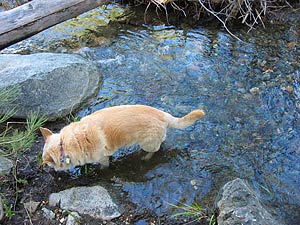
pixel 250 91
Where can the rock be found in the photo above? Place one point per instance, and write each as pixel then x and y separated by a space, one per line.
pixel 5 165
pixel 48 214
pixel 1 209
pixel 53 84
pixel 31 206
pixel 255 90
pixel 73 219
pixel 240 205
pixel 94 201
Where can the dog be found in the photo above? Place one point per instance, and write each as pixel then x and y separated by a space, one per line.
pixel 97 136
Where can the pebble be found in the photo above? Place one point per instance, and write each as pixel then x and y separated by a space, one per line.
pixel 48 214
pixel 255 90
pixel 31 206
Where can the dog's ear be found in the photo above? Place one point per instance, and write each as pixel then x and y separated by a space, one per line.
pixel 48 159
pixel 46 133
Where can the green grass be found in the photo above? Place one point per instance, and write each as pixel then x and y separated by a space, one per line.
pixel 7 99
pixel 72 118
pixel 15 139
pixel 195 212
pixel 7 208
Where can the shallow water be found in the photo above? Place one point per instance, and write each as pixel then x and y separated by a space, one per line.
pixel 250 91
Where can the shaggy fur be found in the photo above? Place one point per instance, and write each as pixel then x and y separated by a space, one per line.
pixel 97 136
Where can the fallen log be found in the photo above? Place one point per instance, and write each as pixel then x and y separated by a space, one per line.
pixel 33 17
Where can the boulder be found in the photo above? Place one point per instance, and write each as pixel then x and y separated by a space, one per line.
pixel 53 84
pixel 93 201
pixel 240 205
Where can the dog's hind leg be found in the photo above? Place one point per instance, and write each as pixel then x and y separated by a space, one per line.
pixel 152 145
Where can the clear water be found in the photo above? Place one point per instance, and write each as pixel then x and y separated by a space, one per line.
pixel 250 91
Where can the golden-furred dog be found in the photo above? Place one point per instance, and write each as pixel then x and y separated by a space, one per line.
pixel 97 136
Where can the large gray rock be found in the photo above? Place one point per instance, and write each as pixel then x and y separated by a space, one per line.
pixel 93 201
pixel 240 205
pixel 5 165
pixel 53 84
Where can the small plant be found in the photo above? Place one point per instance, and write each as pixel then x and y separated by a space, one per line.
pixel 39 159
pixel 21 140
pixel 212 220
pixel 8 209
pixel 22 181
pixel 88 169
pixel 194 211
pixel 7 99
pixel 72 118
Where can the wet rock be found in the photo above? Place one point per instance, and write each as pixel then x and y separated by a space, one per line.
pixel 94 201
pixel 240 205
pixel 5 165
pixel 31 206
pixel 73 219
pixel 48 214
pixel 53 84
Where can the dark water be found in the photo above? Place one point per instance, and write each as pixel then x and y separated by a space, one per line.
pixel 250 91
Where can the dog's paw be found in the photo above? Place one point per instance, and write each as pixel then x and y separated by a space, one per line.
pixel 148 156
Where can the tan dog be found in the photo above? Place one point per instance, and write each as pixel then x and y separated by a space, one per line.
pixel 97 136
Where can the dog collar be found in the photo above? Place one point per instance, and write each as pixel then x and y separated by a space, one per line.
pixel 63 157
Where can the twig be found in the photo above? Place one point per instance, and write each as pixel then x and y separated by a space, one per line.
pixel 16 186
pixel 30 221
pixel 224 24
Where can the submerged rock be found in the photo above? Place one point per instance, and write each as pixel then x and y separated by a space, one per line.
pixel 93 201
pixel 51 84
pixel 5 165
pixel 240 205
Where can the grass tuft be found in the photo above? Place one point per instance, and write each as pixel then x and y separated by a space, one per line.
pixel 7 99
pixel 16 140
pixel 195 212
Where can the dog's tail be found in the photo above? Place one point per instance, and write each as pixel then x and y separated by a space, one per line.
pixel 187 120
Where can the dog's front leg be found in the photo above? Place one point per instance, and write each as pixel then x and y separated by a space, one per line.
pixel 104 162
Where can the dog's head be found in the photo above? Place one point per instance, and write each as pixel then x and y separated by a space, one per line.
pixel 54 153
